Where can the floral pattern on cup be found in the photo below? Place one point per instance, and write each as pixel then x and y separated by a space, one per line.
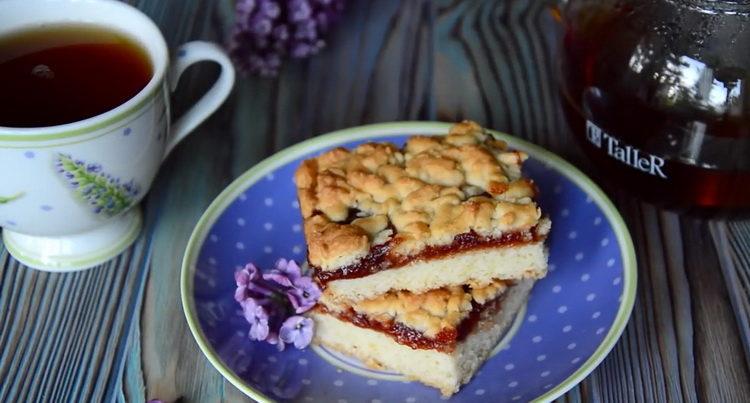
pixel 105 193
pixel 8 199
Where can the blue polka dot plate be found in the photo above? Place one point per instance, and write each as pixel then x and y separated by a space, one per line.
pixel 572 320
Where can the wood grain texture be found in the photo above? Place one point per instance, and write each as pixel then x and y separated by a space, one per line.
pixel 62 335
pixel 682 341
pixel 118 333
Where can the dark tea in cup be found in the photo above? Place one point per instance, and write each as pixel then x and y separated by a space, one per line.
pixel 57 74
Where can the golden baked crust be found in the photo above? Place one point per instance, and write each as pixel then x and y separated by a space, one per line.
pixel 422 195
pixel 430 312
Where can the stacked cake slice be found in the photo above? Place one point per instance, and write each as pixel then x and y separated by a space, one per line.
pixel 424 253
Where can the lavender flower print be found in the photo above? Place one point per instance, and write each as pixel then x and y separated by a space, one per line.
pixel 8 199
pixel 105 194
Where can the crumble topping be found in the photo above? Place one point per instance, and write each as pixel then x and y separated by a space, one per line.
pixel 430 312
pixel 422 195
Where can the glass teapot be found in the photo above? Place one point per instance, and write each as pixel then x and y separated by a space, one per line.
pixel 656 92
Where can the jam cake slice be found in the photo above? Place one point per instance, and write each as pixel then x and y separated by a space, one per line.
pixel 441 211
pixel 436 319
pixel 439 338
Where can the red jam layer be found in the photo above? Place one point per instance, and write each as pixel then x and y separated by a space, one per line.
pixel 380 257
pixel 445 341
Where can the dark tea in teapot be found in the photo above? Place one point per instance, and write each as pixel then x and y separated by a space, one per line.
pixel 656 92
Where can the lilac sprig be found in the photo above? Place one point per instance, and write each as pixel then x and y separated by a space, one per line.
pixel 271 303
pixel 267 31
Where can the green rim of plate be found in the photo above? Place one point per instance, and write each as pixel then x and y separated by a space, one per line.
pixel 257 172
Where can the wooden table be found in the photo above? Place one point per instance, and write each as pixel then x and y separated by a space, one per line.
pixel 118 331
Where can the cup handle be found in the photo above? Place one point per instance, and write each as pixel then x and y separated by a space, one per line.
pixel 188 54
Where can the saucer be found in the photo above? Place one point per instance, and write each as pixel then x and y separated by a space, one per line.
pixel 572 319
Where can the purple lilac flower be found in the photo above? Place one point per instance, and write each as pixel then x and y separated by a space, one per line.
pixel 269 300
pixel 290 268
pixel 243 279
pixel 257 316
pixel 267 31
pixel 273 338
pixel 297 330
pixel 285 273
pixel 303 295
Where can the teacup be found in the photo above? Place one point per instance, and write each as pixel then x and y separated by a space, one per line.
pixel 69 193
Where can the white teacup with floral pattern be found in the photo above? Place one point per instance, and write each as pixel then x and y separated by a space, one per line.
pixel 69 193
